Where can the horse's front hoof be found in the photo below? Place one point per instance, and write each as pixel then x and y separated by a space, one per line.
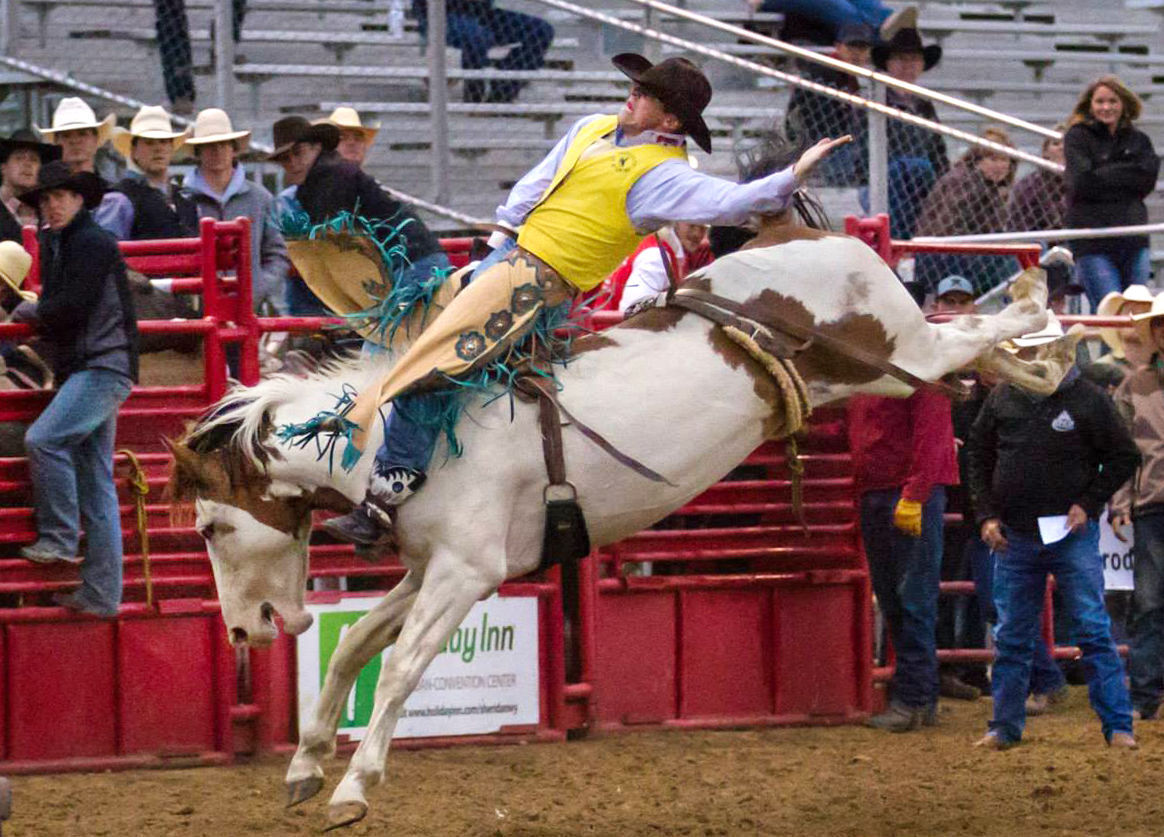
pixel 340 814
pixel 303 789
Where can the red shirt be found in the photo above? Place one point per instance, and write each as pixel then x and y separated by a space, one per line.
pixel 905 443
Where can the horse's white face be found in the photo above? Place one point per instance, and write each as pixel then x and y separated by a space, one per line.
pixel 259 570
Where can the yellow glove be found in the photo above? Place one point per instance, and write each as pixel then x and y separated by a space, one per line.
pixel 908 517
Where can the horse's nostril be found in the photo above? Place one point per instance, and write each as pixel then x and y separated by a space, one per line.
pixel 238 636
pixel 267 611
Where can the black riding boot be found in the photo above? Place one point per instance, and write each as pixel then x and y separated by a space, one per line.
pixel 370 522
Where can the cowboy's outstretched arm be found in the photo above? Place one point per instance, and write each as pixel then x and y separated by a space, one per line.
pixel 673 191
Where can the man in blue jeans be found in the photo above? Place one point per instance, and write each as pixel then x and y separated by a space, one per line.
pixel 475 26
pixel 1041 470
pixel 903 459
pixel 85 316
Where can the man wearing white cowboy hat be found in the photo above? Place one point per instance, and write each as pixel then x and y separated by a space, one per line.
pixel 1041 470
pixel 355 137
pixel 78 132
pixel 575 216
pixel 85 314
pixel 220 189
pixel 159 208
pixel 1128 350
pixel 21 156
pixel 1140 399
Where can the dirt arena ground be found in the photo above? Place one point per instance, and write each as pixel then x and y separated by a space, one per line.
pixel 807 781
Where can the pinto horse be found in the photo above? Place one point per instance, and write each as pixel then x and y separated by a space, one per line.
pixel 667 387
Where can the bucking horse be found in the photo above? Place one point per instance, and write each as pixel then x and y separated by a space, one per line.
pixel 679 391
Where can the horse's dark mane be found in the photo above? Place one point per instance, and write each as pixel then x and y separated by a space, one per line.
pixel 776 152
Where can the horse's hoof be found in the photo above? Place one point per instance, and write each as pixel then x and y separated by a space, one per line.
pixel 345 813
pixel 303 789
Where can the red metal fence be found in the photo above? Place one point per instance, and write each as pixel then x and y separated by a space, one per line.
pixel 726 630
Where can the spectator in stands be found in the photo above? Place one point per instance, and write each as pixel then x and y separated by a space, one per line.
pixel 475 26
pixel 1111 168
pixel 903 459
pixel 220 189
pixel 835 14
pixel 1140 400
pixel 173 33
pixel 355 137
pixel 86 315
pixel 811 116
pixel 332 185
pixel 78 133
pixel 1084 454
pixel 662 259
pixel 21 157
pixel 968 199
pixel 1039 200
pixel 158 207
pixel 917 157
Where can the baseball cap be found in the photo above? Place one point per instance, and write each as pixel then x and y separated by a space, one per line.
pixel 955 284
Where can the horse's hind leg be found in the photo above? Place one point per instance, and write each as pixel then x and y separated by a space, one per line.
pixel 367 638
pixel 451 586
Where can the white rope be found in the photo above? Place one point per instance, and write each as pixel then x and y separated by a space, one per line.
pixel 1041 235
pixel 822 89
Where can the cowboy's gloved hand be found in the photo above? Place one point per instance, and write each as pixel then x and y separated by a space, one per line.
pixel 908 517
pixel 809 159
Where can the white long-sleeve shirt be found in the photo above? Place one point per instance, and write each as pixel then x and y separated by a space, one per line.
pixel 649 276
pixel 671 191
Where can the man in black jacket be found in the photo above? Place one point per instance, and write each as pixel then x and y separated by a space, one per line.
pixel 159 208
pixel 85 315
pixel 21 156
pixel 1040 471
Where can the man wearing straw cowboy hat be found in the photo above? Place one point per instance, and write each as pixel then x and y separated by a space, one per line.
pixel 21 156
pixel 355 137
pixel 575 217
pixel 220 189
pixel 159 208
pixel 1140 400
pixel 78 132
pixel 85 315
pixel 1041 469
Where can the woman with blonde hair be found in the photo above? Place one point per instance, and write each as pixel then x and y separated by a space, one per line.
pixel 1111 168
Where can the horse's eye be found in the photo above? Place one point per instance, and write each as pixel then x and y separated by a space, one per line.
pixel 207 531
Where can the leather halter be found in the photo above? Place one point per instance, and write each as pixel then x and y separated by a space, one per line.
pixel 768 334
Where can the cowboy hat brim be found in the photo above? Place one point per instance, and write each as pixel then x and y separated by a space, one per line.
pixel 931 55
pixel 88 185
pixel 369 131
pixel 1110 306
pixel 213 138
pixel 104 129
pixel 123 139
pixel 633 66
pixel 27 296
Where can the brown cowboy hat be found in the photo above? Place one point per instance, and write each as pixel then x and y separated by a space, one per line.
pixel 676 82
pixel 906 40
pixel 295 129
pixel 57 175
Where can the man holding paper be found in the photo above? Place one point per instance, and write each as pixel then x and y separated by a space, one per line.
pixel 1040 471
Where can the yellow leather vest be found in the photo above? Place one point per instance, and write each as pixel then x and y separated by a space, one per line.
pixel 580 227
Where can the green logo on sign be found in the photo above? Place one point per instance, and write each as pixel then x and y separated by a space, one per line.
pixel 358 707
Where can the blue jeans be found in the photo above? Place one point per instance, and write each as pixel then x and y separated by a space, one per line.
pixel 408 443
pixel 70 460
pixel 1102 273
pixel 833 13
pixel 1020 577
pixel 910 180
pixel 1046 676
pixel 905 572
pixel 1146 649
pixel 474 36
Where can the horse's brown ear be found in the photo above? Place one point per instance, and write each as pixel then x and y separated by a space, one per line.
pixel 189 471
